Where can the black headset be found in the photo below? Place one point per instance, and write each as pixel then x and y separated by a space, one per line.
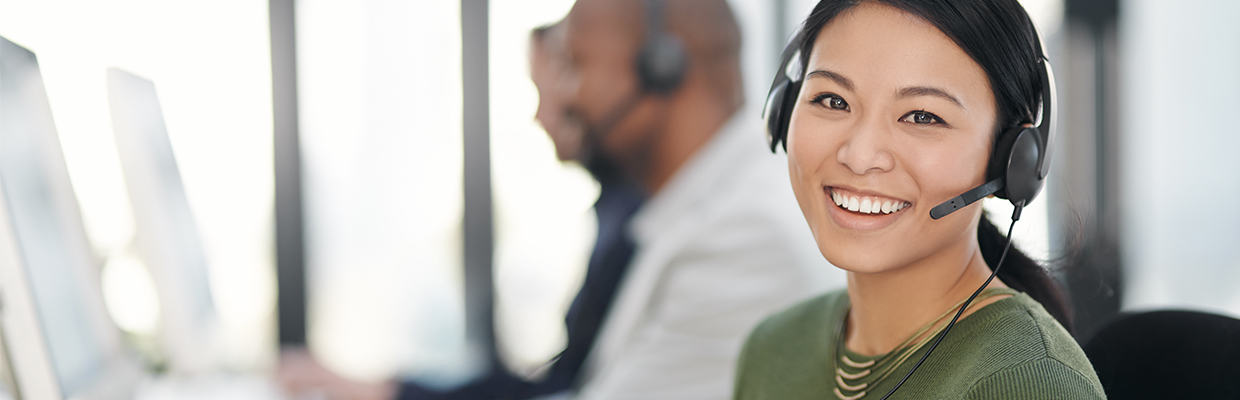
pixel 662 60
pixel 1017 167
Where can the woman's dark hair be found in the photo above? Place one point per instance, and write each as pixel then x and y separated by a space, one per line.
pixel 1000 37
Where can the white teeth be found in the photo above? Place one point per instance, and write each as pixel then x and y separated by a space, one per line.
pixel 866 206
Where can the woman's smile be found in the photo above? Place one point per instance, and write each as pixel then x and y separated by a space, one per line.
pixel 863 210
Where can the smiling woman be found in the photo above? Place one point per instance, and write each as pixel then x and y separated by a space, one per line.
pixel 877 135
pixel 902 107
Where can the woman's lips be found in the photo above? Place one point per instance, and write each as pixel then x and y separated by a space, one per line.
pixel 865 203
pixel 863 211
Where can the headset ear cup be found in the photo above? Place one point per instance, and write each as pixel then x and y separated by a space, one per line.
pixel 772 114
pixel 661 64
pixel 790 102
pixel 779 105
pixel 1016 160
pixel 997 167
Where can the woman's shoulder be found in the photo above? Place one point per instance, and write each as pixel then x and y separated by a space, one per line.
pixel 783 357
pixel 804 329
pixel 1021 349
pixel 808 316
pixel 1024 330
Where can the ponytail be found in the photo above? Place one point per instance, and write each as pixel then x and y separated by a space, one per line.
pixel 1023 273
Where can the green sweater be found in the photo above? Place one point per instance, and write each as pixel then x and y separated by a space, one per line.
pixel 1010 349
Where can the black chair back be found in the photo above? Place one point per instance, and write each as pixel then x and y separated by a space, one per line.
pixel 1168 355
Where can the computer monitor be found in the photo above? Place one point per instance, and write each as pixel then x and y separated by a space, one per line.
pixel 6 371
pixel 166 232
pixel 60 339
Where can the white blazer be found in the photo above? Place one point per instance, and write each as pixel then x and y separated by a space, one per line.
pixel 719 248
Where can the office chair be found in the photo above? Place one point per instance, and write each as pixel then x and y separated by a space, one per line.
pixel 1168 355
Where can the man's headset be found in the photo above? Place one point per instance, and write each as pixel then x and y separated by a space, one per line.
pixel 662 60
pixel 661 64
pixel 1017 167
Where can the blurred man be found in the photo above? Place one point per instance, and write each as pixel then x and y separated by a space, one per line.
pixel 699 234
pixel 552 75
pixel 719 241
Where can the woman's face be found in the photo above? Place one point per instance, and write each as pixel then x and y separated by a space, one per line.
pixel 893 119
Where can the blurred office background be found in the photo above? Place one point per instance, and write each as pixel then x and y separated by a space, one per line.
pixel 1137 213
pixel 211 65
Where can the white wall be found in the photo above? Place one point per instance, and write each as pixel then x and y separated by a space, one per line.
pixel 1180 64
pixel 380 114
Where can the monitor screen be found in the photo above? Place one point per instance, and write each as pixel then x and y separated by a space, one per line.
pixel 6 372
pixel 165 221
pixel 55 256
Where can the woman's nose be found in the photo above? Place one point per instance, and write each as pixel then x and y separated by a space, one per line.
pixel 868 148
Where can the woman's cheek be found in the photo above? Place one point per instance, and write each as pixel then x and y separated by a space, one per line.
pixel 807 144
pixel 805 160
pixel 797 172
pixel 943 172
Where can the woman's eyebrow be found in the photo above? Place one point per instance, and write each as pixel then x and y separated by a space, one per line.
pixel 928 91
pixel 840 79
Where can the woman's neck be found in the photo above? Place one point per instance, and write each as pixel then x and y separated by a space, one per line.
pixel 888 307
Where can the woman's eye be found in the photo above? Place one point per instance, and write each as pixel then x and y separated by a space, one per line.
pixel 922 118
pixel 832 101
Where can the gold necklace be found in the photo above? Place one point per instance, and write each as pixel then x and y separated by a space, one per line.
pixel 852 375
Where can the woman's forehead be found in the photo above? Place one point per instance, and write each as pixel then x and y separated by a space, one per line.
pixel 880 47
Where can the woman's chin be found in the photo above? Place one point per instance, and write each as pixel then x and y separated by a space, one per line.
pixel 852 259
